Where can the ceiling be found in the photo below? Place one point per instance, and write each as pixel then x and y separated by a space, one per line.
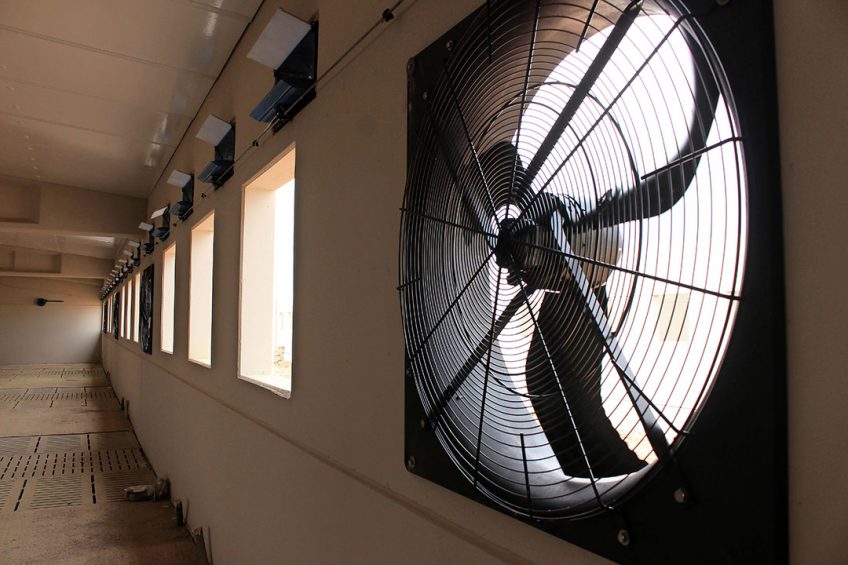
pixel 98 93
pixel 87 246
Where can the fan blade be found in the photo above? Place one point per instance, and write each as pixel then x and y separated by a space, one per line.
pixel 619 30
pixel 595 319
pixel 474 216
pixel 564 381
pixel 476 356
pixel 502 167
pixel 660 191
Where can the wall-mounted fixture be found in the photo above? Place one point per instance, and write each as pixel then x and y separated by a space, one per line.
pixel 164 230
pixel 136 253
pixel 222 136
pixel 288 46
pixel 125 268
pixel 185 182
pixel 132 262
pixel 44 301
pixel 145 227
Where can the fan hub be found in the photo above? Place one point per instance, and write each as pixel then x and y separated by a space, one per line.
pixel 526 249
pixel 519 249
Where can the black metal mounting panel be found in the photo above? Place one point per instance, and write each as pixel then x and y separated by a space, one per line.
pixel 722 496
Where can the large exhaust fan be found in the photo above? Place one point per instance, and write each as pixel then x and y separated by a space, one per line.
pixel 590 275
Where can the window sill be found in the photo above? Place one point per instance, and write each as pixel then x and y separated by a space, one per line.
pixel 202 362
pixel 278 385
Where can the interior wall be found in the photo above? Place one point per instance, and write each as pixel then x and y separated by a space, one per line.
pixel 67 332
pixel 37 206
pixel 813 94
pixel 320 477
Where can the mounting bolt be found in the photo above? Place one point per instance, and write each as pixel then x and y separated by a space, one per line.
pixel 449 45
pixel 426 95
pixel 423 423
pixel 410 66
pixel 410 462
pixel 623 537
pixel 681 496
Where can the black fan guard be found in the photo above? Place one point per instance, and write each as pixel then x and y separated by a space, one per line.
pixel 470 211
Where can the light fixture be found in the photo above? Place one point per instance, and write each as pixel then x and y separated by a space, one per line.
pixel 279 38
pixel 185 182
pixel 222 136
pixel 148 247
pixel 178 178
pixel 288 46
pixel 164 230
pixel 135 254
pixel 213 130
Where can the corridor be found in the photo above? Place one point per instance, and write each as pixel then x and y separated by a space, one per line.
pixel 67 451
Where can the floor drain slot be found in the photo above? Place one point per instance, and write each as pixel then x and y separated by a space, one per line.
pixel 20 496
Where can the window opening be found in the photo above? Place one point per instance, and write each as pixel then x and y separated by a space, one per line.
pixel 200 292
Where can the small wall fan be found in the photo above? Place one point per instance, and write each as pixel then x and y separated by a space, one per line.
pixel 591 275
pixel 145 329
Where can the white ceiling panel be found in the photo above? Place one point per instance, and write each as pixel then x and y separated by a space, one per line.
pixel 78 157
pixel 90 113
pixel 245 8
pixel 31 60
pixel 173 34
pixel 97 94
pixel 99 247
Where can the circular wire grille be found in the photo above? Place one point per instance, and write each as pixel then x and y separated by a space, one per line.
pixel 571 247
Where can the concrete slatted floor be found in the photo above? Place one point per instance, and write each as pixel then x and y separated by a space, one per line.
pixel 66 454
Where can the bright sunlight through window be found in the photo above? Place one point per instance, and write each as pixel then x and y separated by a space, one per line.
pixel 267 297
pixel 166 330
pixel 200 292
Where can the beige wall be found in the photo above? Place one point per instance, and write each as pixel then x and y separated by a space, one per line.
pixel 20 262
pixel 813 95
pixel 320 477
pixel 56 333
pixel 45 207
